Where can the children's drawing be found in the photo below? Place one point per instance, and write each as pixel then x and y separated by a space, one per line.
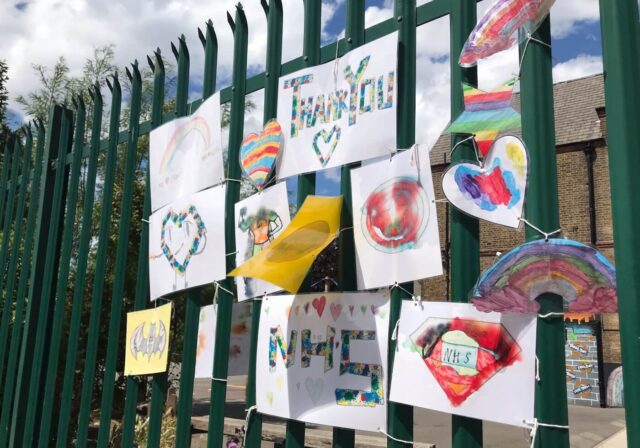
pixel 287 259
pixel 259 220
pixel 486 114
pixel 452 358
pixel 147 341
pixel 258 153
pixel 395 225
pixel 339 112
pixel 239 342
pixel 321 364
pixel 396 214
pixel 495 189
pixel 579 273
pixel 180 255
pixel 185 154
pixel 498 28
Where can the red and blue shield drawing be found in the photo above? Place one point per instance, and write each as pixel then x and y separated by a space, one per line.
pixel 462 354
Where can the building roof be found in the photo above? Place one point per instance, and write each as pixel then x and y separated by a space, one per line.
pixel 575 108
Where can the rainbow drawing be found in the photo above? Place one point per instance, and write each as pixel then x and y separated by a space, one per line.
pixel 486 114
pixel 258 152
pixel 175 146
pixel 579 273
pixel 497 29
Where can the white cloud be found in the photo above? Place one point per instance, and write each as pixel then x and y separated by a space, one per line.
pixel 578 67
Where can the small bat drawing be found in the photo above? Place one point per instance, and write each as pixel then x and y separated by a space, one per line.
pixel 155 343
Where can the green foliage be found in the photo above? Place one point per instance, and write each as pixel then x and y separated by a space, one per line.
pixel 4 101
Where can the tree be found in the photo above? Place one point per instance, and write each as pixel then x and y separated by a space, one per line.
pixel 4 100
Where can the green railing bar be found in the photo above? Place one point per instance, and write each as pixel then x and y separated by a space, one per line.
pixel 63 277
pixel 13 259
pixel 193 296
pixel 347 280
pixel 4 248
pixel 225 300
pixel 400 416
pixel 295 431
pixel 4 177
pixel 465 230
pixel 620 48
pixel 100 274
pixel 159 380
pixel 538 132
pixel 49 282
pixel 273 12
pixel 122 250
pixel 42 274
pixel 84 244
pixel 16 333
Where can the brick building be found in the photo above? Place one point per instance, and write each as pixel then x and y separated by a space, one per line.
pixel 585 215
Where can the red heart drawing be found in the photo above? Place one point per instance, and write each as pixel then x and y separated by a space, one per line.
pixel 319 304
pixel 336 309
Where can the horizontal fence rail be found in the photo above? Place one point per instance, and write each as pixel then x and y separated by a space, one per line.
pixel 74 210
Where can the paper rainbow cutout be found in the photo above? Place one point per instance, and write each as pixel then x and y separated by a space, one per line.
pixel 497 29
pixel 258 152
pixel 577 272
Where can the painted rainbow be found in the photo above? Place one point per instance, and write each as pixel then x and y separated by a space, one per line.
pixel 579 273
pixel 193 124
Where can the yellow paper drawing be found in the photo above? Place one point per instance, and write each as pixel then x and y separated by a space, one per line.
pixel 286 261
pixel 147 343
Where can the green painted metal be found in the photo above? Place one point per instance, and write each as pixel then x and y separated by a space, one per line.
pixel 347 279
pixel 43 267
pixel 8 389
pixel 225 300
pixel 193 296
pixel 100 274
pixel 273 12
pixel 295 431
pixel 65 400
pixel 465 242
pixel 63 278
pixel 538 133
pixel 48 277
pixel 122 250
pixel 400 416
pixel 159 380
pixel 621 46
pixel 8 224
pixel 17 236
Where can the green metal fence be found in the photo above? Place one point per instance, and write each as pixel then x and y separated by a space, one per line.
pixel 42 304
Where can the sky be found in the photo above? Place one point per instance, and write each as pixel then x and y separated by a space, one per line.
pixel 39 31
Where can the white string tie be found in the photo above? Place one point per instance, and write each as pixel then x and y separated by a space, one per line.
pixel 546 235
pixel 144 220
pixel 552 314
pixel 219 286
pixel 382 431
pixel 537 369
pixel 228 179
pixel 245 428
pixel 439 200
pixel 397 285
pixel 394 335
pixel 536 424
pixel 220 380
pixel 231 253
pixel 475 149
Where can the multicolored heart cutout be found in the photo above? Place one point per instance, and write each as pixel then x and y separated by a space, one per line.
pixel 495 190
pixel 330 139
pixel 258 152
pixel 170 252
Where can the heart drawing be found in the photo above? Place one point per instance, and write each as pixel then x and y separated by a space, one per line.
pixel 330 139
pixel 494 191
pixel 319 304
pixel 335 309
pixel 314 388
pixel 258 152
pixel 181 235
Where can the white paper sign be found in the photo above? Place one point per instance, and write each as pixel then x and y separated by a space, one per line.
pixel 239 343
pixel 259 219
pixel 185 154
pixel 453 358
pixel 186 243
pixel 394 220
pixel 322 358
pixel 338 113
